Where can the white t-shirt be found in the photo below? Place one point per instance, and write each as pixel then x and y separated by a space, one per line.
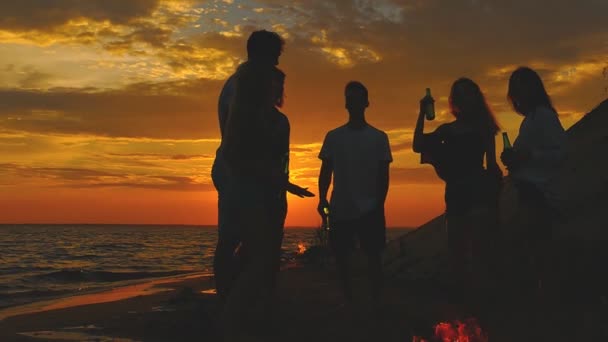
pixel 355 154
pixel 542 134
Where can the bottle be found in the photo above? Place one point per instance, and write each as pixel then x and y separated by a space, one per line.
pixel 325 223
pixel 429 107
pixel 286 163
pixel 506 144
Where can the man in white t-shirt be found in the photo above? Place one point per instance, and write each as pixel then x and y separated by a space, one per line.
pixel 358 156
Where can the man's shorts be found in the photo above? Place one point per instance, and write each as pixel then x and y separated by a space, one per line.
pixel 369 230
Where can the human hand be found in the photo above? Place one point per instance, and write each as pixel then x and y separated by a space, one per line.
pixel 495 172
pixel 423 102
pixel 508 158
pixel 513 158
pixel 299 191
pixel 321 208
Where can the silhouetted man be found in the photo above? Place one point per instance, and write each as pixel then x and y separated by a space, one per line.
pixel 358 157
pixel 264 48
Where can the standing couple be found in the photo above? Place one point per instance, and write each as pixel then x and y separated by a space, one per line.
pixel 251 175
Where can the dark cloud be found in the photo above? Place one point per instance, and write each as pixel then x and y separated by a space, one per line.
pixel 431 44
pixel 26 76
pixel 420 44
pixel 63 173
pixel 34 79
pixel 24 15
pixel 165 183
pixel 163 156
pixel 176 110
pixel 87 178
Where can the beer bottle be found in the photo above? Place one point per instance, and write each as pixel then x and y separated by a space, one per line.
pixel 326 218
pixel 429 107
pixel 286 163
pixel 506 144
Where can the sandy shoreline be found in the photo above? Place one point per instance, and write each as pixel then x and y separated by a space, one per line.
pixel 139 288
pixel 181 309
pixel 97 316
pixel 309 307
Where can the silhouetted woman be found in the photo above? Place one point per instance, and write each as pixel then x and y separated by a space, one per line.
pixel 457 150
pixel 536 154
pixel 280 137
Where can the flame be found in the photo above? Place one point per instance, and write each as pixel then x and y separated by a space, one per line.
pixel 301 248
pixel 467 331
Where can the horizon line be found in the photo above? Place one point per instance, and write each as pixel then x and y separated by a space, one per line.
pixel 160 225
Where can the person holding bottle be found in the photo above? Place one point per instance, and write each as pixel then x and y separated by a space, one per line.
pixel 532 161
pixel 456 150
pixel 357 156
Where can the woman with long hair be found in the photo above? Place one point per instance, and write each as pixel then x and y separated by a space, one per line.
pixel 457 150
pixel 536 155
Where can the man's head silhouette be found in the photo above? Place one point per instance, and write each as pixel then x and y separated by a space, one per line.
pixel 264 47
pixel 355 95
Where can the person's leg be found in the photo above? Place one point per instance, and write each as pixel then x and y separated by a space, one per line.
pixel 277 216
pixel 537 224
pixel 375 274
pixel 341 241
pixel 244 308
pixel 483 297
pixel 372 239
pixel 280 213
pixel 459 246
pixel 225 265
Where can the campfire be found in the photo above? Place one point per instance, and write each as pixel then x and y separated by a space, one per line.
pixel 301 248
pixel 456 331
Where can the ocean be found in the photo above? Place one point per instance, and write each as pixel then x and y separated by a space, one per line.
pixel 40 262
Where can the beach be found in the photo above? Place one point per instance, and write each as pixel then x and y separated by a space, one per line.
pixel 181 309
pixel 308 307
pixel 132 290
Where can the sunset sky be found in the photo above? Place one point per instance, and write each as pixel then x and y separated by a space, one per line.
pixel 108 107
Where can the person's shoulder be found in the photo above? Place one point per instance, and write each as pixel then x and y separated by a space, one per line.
pixel 448 126
pixel 544 116
pixel 376 131
pixel 445 129
pixel 335 134
pixel 544 112
pixel 338 130
pixel 283 119
pixel 229 85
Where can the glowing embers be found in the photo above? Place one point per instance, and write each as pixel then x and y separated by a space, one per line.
pixel 301 248
pixel 456 331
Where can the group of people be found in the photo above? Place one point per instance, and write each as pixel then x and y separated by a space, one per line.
pixel 251 175
pixel 463 154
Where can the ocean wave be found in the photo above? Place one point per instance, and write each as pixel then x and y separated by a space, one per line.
pixel 21 269
pixel 23 297
pixel 75 276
